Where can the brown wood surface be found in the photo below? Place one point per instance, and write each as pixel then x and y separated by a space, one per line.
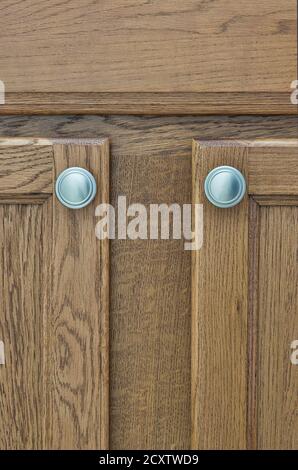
pixel 268 393
pixel 26 169
pixel 77 397
pixel 219 305
pixel 23 250
pixel 277 398
pixel 163 104
pixel 54 305
pixel 276 200
pixel 145 136
pixel 150 160
pixel 170 46
pixel 252 323
pixel 274 170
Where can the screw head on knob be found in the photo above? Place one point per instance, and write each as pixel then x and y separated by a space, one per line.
pixel 75 187
pixel 225 186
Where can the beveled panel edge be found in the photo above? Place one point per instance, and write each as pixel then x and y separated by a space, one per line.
pixel 19 141
pixel 270 142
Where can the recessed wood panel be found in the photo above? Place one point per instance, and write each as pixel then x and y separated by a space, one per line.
pixel 54 301
pixel 277 397
pixel 23 250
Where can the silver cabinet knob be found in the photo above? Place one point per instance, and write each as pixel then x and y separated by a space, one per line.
pixel 75 187
pixel 225 186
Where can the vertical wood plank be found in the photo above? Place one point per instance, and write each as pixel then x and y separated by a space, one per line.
pixel 219 311
pixel 252 344
pixel 277 328
pixel 77 399
pixel 150 309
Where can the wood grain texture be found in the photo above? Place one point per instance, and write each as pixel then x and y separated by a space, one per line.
pixel 273 170
pixel 150 160
pixel 23 250
pixel 272 164
pixel 219 308
pixel 150 324
pixel 252 323
pixel 54 308
pixel 186 103
pixel 151 135
pixel 276 200
pixel 277 399
pixel 270 260
pixel 26 170
pixel 23 199
pixel 137 46
pixel 77 398
pixel 2 353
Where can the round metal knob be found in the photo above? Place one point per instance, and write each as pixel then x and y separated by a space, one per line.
pixel 75 187
pixel 225 186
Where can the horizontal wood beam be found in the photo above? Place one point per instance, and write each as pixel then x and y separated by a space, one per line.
pixel 234 103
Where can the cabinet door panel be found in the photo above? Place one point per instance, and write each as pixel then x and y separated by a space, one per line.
pixel 54 301
pixel 244 386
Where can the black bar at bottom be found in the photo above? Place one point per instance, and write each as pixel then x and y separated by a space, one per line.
pixel 135 459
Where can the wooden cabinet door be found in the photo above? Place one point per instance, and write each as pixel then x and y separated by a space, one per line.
pixel 245 301
pixel 53 300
